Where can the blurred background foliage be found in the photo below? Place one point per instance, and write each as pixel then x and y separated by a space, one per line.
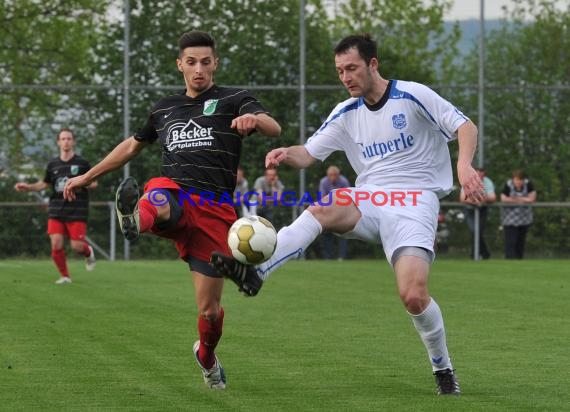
pixel 61 64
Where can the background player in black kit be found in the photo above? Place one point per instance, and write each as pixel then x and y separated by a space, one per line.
pixel 65 218
pixel 200 132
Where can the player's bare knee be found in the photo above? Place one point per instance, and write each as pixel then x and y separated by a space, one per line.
pixel 210 311
pixel 414 302
pixel 210 315
pixel 329 217
pixel 317 212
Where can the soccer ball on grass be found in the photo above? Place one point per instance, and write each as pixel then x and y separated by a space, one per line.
pixel 252 240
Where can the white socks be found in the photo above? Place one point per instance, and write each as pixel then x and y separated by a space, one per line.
pixel 292 240
pixel 429 325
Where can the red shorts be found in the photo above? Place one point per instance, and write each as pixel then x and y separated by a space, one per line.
pixel 202 229
pixel 75 230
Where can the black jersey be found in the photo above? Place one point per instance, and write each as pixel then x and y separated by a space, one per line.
pixel 57 173
pixel 199 148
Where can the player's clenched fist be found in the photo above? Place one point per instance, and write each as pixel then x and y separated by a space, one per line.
pixel 245 124
pixel 22 187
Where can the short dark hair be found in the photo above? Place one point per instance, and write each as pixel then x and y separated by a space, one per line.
pixel 64 129
pixel 364 43
pixel 196 38
pixel 519 173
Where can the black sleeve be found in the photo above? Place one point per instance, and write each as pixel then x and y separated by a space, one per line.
pixel 249 104
pixel 147 133
pixel 506 190
pixel 530 186
pixel 47 176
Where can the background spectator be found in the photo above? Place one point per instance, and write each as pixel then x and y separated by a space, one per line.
pixel 269 189
pixel 332 181
pixel 242 187
pixel 517 219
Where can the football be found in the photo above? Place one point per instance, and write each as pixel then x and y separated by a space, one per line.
pixel 252 240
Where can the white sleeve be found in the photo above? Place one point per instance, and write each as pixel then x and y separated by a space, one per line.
pixel 330 136
pixel 439 111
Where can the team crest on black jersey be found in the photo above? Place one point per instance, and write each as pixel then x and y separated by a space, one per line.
pixel 181 135
pixel 74 169
pixel 399 121
pixel 59 184
pixel 210 107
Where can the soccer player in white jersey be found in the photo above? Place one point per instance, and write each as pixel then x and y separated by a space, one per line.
pixel 395 135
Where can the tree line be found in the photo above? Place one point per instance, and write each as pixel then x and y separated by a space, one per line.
pixel 78 45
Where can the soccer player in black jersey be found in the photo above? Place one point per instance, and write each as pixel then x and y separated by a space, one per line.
pixel 200 132
pixel 65 218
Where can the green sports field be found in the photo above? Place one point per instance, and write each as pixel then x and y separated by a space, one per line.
pixel 320 336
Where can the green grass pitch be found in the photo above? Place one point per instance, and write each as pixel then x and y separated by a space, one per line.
pixel 320 336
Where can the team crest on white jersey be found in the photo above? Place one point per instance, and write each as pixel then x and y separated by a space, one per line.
pixel 210 107
pixel 182 135
pixel 399 121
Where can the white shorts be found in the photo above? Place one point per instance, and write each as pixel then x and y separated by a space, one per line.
pixel 394 218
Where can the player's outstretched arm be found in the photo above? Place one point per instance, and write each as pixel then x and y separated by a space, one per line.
pixel 468 177
pixel 267 125
pixel 295 156
pixel 261 122
pixel 119 156
pixel 30 187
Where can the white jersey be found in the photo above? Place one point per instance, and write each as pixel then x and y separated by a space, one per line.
pixel 399 143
